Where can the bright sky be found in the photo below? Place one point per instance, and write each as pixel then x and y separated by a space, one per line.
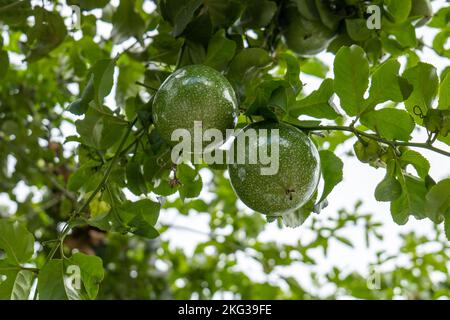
pixel 359 183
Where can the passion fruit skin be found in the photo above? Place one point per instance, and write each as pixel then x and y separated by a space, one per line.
pixel 194 93
pixel 296 180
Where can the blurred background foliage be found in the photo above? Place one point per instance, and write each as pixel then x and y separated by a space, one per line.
pixel 57 139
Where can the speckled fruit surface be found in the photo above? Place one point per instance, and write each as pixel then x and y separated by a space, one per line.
pixel 194 93
pixel 294 183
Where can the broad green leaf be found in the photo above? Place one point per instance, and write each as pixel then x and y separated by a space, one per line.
pixel 135 178
pixel 332 168
pixel 80 106
pixel 412 200
pixel 398 9
pixel 424 80
pixel 4 63
pixel 258 13
pixel 140 217
pixel 48 33
pixel 52 283
pixel 438 201
pixel 17 285
pixel 389 189
pixel 357 29
pixel 387 85
pixel 220 51
pixel 191 181
pixel 130 71
pixel 418 161
pixel 92 272
pixel 16 241
pixel 126 22
pixel 22 285
pixel 248 59
pixel 390 123
pixel 15 13
pixel 223 13
pixel 292 75
pixel 103 78
pixel 318 104
pixel 315 67
pixel 184 15
pixel 444 93
pixel 351 78
pixel 100 128
pixel 441 19
pixel 440 43
pixel 86 177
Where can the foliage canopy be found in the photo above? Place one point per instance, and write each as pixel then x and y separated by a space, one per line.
pixel 95 197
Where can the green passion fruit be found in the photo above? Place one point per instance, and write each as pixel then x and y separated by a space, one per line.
pixel 194 93
pixel 297 176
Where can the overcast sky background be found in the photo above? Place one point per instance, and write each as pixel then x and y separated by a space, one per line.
pixel 359 183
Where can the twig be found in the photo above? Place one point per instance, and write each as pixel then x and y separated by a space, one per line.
pixel 376 137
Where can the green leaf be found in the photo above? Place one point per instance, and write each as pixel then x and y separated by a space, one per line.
pixel 440 43
pixel 398 9
pixel 140 217
pixel 103 78
pixel 86 177
pixel 441 19
pixel 315 67
pixel 444 93
pixel 418 161
pixel 16 241
pixel 447 226
pixel 292 72
pixel 92 272
pixel 248 59
pixel 332 174
pixel 258 13
pixel 318 104
pixel 387 85
pixel 127 22
pixel 438 201
pixel 357 29
pixel 412 200
pixel 389 189
pixel 184 15
pixel 135 178
pixel 223 13
pixel 48 33
pixel 4 63
pixel 80 106
pixel 17 285
pixel 424 79
pixel 191 181
pixel 220 51
pixel 390 123
pixel 22 285
pixel 52 282
pixel 351 78
pixel 100 128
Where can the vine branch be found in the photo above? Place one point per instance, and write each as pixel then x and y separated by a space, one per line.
pixel 392 143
